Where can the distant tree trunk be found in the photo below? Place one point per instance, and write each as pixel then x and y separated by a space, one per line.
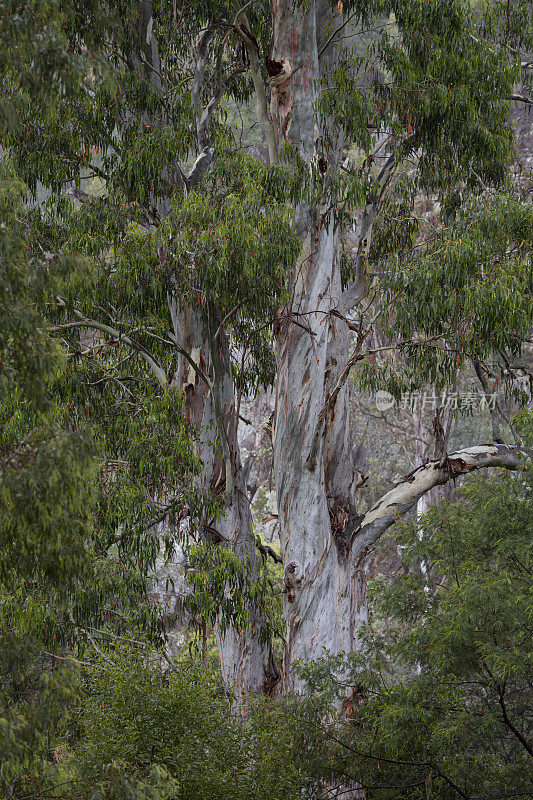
pixel 422 456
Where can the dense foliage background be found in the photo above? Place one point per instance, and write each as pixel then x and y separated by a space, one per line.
pixel 110 682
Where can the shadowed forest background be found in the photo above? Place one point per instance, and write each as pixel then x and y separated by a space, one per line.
pixel 266 370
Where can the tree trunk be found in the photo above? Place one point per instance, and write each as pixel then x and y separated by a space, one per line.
pixel 324 594
pixel 210 405
pixel 422 455
pixel 204 375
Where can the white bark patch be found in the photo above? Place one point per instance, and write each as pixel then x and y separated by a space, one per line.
pixel 149 30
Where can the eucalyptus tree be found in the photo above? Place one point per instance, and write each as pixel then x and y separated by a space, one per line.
pixel 171 245
pixel 431 81
pixel 187 232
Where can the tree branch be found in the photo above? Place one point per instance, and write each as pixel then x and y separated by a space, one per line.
pixel 369 215
pixel 205 157
pixel 266 550
pixel 514 730
pixel 85 322
pixel 406 494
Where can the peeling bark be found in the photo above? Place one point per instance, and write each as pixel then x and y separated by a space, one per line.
pixel 324 598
